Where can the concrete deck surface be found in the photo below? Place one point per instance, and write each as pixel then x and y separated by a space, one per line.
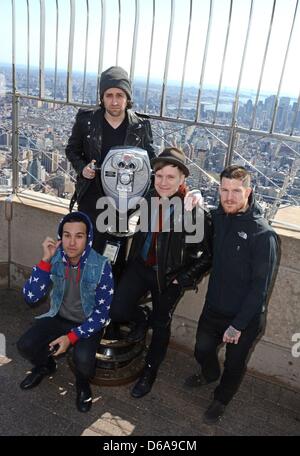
pixel 260 408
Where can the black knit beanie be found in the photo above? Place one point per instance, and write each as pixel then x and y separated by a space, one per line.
pixel 115 77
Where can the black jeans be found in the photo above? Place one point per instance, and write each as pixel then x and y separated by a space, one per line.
pixel 135 282
pixel 210 331
pixel 34 345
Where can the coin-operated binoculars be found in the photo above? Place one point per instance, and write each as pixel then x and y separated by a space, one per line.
pixel 125 178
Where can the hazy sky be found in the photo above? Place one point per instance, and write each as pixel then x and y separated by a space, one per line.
pixel 262 9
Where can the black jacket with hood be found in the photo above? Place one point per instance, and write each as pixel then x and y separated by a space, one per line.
pixel 245 252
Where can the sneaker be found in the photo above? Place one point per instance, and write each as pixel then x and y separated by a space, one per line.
pixel 195 381
pixel 214 412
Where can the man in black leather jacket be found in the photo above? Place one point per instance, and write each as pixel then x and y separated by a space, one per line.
pixel 165 258
pixel 95 131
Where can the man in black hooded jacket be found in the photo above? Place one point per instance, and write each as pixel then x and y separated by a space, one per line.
pixel 245 251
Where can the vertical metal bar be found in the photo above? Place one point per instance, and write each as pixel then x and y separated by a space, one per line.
pixel 56 50
pixel 135 38
pixel 263 66
pixel 101 45
pixel 8 217
pixel 167 61
pixel 28 46
pixel 231 143
pixel 223 62
pixel 15 142
pixel 237 93
pixel 15 100
pixel 13 45
pixel 150 56
pixel 86 48
pixel 71 49
pixel 232 137
pixel 119 31
pixel 204 61
pixel 295 116
pixel 185 58
pixel 42 50
pixel 282 72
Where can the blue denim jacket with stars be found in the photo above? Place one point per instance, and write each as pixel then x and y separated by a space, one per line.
pixel 96 290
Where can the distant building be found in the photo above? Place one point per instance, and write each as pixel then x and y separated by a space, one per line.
pixel 34 172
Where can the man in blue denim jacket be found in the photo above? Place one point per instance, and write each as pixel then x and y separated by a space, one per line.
pixel 82 290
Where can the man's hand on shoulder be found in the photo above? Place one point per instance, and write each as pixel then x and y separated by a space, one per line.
pixel 192 198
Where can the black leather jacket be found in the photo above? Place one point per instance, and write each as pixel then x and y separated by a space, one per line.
pixel 177 259
pixel 85 142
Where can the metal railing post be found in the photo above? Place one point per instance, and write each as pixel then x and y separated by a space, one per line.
pixel 15 142
pixel 231 143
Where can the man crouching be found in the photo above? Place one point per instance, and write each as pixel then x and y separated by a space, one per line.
pixel 82 290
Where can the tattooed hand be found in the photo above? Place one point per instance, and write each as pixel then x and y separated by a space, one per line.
pixel 231 335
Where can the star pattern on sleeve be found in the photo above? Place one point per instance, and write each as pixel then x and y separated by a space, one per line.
pixel 36 286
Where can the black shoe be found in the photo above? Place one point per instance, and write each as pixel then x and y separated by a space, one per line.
pixel 84 399
pixel 144 384
pixel 195 381
pixel 37 374
pixel 214 412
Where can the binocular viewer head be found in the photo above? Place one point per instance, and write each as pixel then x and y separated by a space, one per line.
pixel 126 174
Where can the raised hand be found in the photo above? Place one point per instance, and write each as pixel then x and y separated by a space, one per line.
pixel 49 248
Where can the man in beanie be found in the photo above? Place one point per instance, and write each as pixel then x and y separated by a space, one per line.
pixel 94 133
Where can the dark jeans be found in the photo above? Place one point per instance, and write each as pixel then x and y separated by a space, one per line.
pixel 33 345
pixel 136 281
pixel 210 331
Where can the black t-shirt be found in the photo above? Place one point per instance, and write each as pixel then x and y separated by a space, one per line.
pixel 112 136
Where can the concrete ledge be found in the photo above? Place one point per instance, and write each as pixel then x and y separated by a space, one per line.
pixel 32 220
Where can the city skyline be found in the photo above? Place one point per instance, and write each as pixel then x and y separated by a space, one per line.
pixel 44 129
pixel 282 15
